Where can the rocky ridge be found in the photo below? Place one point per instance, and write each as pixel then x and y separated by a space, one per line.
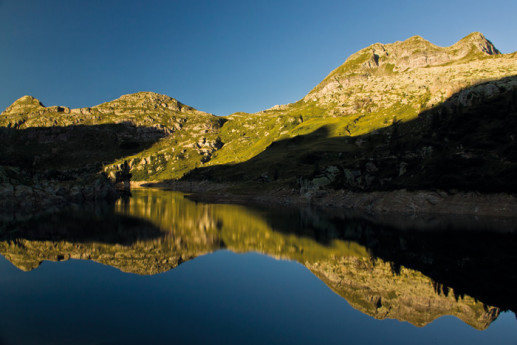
pixel 382 75
pixel 421 117
pixel 53 155
pixel 380 97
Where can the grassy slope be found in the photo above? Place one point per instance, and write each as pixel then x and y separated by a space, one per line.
pixel 451 146
pixel 356 100
pixel 431 124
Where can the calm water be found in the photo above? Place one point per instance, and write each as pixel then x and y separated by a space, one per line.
pixel 160 269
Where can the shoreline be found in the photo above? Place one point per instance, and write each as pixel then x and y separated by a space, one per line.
pixel 398 202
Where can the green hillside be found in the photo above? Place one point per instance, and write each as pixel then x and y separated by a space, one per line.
pixel 391 116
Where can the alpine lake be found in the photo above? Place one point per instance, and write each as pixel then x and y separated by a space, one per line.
pixel 158 268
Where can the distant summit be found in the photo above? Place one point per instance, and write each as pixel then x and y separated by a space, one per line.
pixel 27 100
pixel 23 105
pixel 144 98
pixel 413 57
pixel 478 41
pixel 148 100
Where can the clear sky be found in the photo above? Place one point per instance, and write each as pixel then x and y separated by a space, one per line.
pixel 217 56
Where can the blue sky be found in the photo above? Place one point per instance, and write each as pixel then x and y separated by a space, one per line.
pixel 217 56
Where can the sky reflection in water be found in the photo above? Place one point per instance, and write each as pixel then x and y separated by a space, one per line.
pixel 221 297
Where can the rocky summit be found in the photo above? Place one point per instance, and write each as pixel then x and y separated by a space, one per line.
pixel 407 115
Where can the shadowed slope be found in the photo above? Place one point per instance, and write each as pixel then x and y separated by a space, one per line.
pixel 466 143
pixel 43 167
pixel 374 88
pixel 38 149
pixel 188 135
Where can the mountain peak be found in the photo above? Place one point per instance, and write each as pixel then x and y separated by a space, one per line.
pixel 146 100
pixel 410 59
pixel 28 100
pixel 477 40
pixel 475 35
pixel 416 38
pixel 23 104
pixel 147 95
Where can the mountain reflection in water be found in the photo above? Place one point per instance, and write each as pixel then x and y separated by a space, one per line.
pixel 414 276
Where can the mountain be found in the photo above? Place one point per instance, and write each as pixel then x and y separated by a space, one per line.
pixel 53 155
pixel 404 115
pixel 415 66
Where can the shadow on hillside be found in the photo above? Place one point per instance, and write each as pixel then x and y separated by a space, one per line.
pixel 62 152
pixel 466 143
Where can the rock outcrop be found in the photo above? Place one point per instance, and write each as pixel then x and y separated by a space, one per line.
pixel 414 68
pixel 23 105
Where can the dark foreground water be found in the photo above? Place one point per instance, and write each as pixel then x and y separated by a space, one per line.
pixel 159 269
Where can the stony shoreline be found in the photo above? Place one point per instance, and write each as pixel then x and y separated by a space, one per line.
pixel 398 202
pixel 423 209
pixel 21 200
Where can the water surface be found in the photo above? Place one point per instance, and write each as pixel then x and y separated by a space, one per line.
pixel 158 268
